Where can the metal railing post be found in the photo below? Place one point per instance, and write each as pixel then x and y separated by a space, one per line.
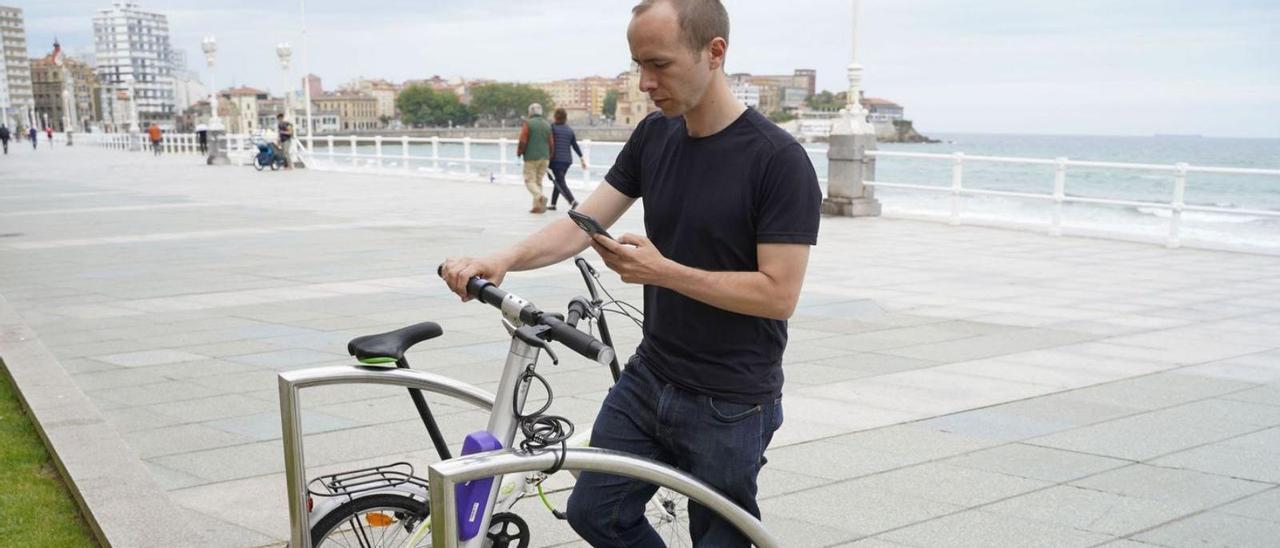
pixel 957 180
pixel 330 139
pixel 354 160
pixel 435 152
pixel 1179 195
pixel 377 150
pixel 1059 194
pixel 502 156
pixel 466 155
pixel 404 151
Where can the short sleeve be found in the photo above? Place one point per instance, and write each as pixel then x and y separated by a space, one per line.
pixel 790 203
pixel 625 173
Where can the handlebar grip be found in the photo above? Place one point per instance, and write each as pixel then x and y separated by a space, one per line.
pixel 580 342
pixel 480 288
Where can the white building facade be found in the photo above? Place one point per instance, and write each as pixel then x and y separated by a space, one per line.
pixel 17 99
pixel 135 66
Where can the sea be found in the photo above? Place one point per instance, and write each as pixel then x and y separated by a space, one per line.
pixel 1142 223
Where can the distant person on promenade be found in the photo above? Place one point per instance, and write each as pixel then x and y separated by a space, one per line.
pixel 562 157
pixel 31 134
pixel 286 139
pixel 4 137
pixel 202 138
pixel 536 144
pixel 154 134
pixel 49 131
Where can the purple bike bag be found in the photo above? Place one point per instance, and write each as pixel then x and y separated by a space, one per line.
pixel 473 496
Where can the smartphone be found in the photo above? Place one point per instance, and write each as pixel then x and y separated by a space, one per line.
pixel 587 224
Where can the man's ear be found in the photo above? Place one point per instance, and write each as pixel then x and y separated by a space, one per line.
pixel 717 49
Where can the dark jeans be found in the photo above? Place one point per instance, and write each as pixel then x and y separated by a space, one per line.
pixel 558 170
pixel 719 442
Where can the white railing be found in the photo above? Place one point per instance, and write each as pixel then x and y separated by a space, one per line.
pixel 1177 205
pixel 494 159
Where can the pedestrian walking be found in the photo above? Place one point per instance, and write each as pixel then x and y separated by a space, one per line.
pixel 202 138
pixel 566 143
pixel 154 134
pixel 536 144
pixel 31 134
pixel 4 137
pixel 286 139
pixel 49 131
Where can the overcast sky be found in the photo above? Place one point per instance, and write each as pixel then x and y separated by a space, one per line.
pixel 1113 67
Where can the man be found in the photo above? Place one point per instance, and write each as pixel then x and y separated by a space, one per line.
pixel 31 133
pixel 154 134
pixel 536 144
pixel 286 133
pixel 4 137
pixel 731 206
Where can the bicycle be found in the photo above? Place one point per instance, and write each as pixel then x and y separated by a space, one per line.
pixel 390 506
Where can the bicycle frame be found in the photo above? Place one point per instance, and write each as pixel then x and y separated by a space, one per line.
pixel 502 424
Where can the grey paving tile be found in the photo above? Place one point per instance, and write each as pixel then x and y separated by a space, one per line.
pixel 914 442
pixel 180 439
pixel 1041 463
pixel 1264 506
pixel 1167 484
pixel 995 424
pixel 863 511
pixel 1145 436
pixel 835 461
pixel 1096 511
pixel 965 487
pixel 266 426
pixel 1227 460
pixel 1215 529
pixel 975 528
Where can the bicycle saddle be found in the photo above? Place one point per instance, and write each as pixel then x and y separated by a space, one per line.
pixel 391 346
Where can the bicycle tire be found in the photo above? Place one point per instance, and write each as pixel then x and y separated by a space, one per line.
pixel 399 506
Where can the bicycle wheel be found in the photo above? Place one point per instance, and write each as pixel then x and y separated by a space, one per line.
pixel 668 513
pixel 257 163
pixel 378 520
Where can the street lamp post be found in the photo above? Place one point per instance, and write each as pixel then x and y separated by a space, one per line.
pixel 306 84
pixel 851 137
pixel 217 153
pixel 284 51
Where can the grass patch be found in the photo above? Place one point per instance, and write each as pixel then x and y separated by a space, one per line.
pixel 35 507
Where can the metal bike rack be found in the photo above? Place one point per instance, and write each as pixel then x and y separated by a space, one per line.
pixel 443 476
pixel 292 382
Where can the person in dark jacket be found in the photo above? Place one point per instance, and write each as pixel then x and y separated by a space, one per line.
pixel 562 157
pixel 4 137
pixel 31 133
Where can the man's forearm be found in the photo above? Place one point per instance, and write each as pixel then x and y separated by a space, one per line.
pixel 750 293
pixel 554 243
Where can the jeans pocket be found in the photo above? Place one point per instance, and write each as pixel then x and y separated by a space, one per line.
pixel 727 411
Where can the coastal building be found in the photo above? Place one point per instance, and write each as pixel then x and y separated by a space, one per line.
pixel 17 99
pixel 582 98
pixel 744 90
pixel 65 91
pixel 312 83
pixel 882 110
pixel 356 111
pixel 385 92
pixel 135 57
pixel 633 104
pixel 244 109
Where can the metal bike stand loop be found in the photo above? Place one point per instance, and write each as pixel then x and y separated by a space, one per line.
pixel 443 476
pixel 292 382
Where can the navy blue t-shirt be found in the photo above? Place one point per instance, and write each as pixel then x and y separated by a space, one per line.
pixel 708 202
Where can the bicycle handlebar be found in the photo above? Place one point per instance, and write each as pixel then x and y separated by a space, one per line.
pixel 559 331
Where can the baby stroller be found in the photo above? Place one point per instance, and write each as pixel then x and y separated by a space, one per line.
pixel 268 155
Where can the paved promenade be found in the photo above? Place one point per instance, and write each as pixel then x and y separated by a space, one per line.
pixel 946 386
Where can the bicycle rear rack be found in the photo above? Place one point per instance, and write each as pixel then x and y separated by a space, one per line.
pixel 354 482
